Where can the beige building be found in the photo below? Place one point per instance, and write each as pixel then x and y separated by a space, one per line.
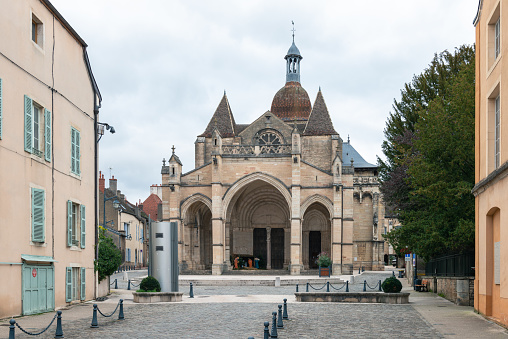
pixel 283 189
pixel 48 102
pixel 491 189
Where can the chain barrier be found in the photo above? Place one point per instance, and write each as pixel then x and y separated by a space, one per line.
pixel 44 330
pixel 317 288
pixel 378 284
pixel 114 281
pixel 338 289
pixel 107 316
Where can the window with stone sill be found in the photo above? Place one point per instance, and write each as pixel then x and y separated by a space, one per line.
pixel 37 128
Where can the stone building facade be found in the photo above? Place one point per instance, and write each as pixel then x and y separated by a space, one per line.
pixel 283 189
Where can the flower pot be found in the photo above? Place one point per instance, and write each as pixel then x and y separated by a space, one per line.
pixel 324 271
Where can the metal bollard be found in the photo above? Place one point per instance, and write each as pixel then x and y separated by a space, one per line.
pixel 358 270
pixel 280 324
pixel 274 325
pixel 347 286
pixel 380 286
pixel 267 330
pixel 94 323
pixel 307 289
pixel 129 284
pixel 363 269
pixel 393 273
pixel 12 329
pixel 285 311
pixel 365 285
pixel 191 292
pixel 116 283
pixel 59 331
pixel 120 314
pixel 296 287
pixel 327 286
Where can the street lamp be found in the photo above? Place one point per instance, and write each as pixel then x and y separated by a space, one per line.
pixel 116 204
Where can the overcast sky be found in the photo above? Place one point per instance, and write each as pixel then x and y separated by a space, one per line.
pixel 162 67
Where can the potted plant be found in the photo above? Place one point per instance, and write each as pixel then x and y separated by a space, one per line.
pixel 324 262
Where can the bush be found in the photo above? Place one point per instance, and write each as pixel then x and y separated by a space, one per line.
pixel 391 285
pixel 150 284
pixel 323 260
pixel 109 258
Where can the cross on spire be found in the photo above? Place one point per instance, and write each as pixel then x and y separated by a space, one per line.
pixel 173 148
pixel 293 30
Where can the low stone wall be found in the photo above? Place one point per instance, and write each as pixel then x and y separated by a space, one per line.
pixel 157 297
pixel 353 297
pixel 103 288
pixel 459 290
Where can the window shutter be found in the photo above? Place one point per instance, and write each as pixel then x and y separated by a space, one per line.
pixel 83 279
pixel 47 135
pixel 73 150
pixel 0 108
pixel 29 109
pixel 37 215
pixel 68 284
pixel 83 229
pixel 69 223
pixel 78 155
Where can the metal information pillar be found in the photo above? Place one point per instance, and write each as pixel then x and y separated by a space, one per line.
pixel 164 251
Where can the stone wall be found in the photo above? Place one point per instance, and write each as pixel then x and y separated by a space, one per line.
pixel 459 290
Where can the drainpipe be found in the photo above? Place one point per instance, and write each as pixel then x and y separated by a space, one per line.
pixel 341 225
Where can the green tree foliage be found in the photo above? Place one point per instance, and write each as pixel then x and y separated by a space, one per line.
pixel 429 169
pixel 110 257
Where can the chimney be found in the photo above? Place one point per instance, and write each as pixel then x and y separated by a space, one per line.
pixel 102 182
pixel 112 184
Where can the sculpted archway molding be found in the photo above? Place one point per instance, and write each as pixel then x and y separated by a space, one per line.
pixel 327 203
pixel 248 179
pixel 189 201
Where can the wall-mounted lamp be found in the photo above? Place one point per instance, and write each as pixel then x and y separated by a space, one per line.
pixel 100 129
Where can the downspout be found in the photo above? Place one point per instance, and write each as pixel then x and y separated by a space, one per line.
pixel 341 224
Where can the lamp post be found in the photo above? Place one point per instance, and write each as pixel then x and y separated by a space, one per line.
pixel 116 204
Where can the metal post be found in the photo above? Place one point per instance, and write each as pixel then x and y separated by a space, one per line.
pixel 358 269
pixel 120 315
pixel 307 289
pixel 280 324
pixel 274 325
pixel 380 286
pixel 393 273
pixel 191 293
pixel 116 283
pixel 12 329
pixel 266 332
pixel 347 285
pixel 129 284
pixel 94 323
pixel 59 331
pixel 363 269
pixel 365 285
pixel 296 287
pixel 327 286
pixel 285 312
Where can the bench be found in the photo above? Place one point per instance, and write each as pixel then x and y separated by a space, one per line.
pixel 423 286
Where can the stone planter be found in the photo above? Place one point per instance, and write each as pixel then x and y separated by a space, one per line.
pixel 325 271
pixel 353 297
pixel 157 297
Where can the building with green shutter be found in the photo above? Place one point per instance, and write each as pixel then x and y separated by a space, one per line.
pixel 48 107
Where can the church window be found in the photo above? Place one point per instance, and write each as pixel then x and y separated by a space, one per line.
pixel 269 138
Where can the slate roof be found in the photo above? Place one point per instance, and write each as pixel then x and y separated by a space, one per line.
pixel 222 119
pixel 348 152
pixel 150 206
pixel 319 122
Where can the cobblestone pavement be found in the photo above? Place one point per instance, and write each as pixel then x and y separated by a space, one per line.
pixel 241 320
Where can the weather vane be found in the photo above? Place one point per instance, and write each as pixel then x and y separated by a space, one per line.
pixel 293 23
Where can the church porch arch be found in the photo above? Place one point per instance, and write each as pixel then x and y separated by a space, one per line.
pixel 316 233
pixel 197 232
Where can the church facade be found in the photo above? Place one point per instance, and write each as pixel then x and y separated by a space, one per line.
pixel 283 189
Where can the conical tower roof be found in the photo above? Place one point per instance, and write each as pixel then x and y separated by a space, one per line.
pixel 319 122
pixel 222 119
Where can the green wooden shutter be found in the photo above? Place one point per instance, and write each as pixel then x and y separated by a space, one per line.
pixel 0 108
pixel 78 155
pixel 69 223
pixel 47 135
pixel 83 280
pixel 37 215
pixel 73 150
pixel 83 228
pixel 68 284
pixel 29 109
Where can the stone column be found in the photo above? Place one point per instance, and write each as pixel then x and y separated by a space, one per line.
pixel 218 234
pixel 268 248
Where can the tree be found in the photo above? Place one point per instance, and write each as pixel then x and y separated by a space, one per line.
pixel 110 257
pixel 429 172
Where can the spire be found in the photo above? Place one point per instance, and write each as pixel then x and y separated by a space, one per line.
pixel 222 120
pixel 293 58
pixel 319 122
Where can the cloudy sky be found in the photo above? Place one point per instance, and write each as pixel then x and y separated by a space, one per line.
pixel 162 66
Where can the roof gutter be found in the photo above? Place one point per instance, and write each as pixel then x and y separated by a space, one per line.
pixel 478 13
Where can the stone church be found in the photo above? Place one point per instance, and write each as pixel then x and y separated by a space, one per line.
pixel 283 189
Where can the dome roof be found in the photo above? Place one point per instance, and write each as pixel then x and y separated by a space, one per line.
pixel 291 102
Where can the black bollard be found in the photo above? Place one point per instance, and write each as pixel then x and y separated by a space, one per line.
pixel 358 269
pixel 266 332
pixel 296 287
pixel 59 331
pixel 94 323
pixel 12 329
pixel 327 286
pixel 129 284
pixel 120 314
pixel 191 292
pixel 347 285
pixel 280 324
pixel 274 325
pixel 393 273
pixel 380 286
pixel 307 288
pixel 285 311
pixel 363 269
pixel 365 285
pixel 116 284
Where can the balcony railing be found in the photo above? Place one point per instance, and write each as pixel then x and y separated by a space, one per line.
pixel 255 150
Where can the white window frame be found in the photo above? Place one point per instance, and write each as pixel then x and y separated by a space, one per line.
pixel 497 132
